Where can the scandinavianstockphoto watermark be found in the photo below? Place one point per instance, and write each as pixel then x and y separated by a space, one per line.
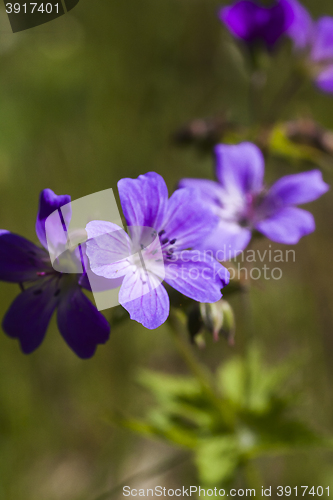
pixel 228 254
pixel 249 264
pixel 253 264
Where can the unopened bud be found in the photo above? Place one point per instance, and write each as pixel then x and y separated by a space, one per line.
pixel 219 319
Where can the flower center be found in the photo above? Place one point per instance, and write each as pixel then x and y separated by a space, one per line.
pixel 239 209
pixel 167 245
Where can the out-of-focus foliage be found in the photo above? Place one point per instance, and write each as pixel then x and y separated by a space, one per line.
pixel 252 414
pixel 303 140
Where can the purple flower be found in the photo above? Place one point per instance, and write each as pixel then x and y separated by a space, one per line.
pixel 44 289
pixel 242 203
pixel 314 41
pixel 253 23
pixel 176 227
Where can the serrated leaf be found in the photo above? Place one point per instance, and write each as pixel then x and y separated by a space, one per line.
pixel 182 397
pixel 166 387
pixel 249 384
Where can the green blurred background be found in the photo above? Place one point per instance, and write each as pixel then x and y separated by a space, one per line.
pixel 85 100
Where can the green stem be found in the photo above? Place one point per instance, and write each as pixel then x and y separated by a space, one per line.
pixel 249 337
pixel 284 96
pixel 199 371
pixel 256 86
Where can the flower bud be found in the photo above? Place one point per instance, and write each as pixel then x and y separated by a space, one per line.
pixel 219 318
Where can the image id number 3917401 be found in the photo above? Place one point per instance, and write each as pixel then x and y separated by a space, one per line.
pixel 303 491
pixel 30 8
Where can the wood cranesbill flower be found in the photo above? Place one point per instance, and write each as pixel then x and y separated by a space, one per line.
pixel 313 41
pixel 256 24
pixel 243 204
pixel 44 290
pixel 176 226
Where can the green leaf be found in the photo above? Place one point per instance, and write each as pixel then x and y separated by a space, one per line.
pixel 217 460
pixel 168 387
pixel 249 384
pixel 278 431
pixel 231 380
pixel 161 430
pixel 182 400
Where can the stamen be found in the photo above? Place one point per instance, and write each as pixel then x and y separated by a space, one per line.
pixel 57 293
pixel 38 292
pixel 161 232
pixel 165 241
pixel 172 242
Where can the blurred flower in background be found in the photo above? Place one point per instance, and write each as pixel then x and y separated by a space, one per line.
pixel 313 40
pixel 243 205
pixel 257 24
pixel 254 23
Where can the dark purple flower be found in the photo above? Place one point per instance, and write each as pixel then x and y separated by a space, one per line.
pixel 45 290
pixel 314 41
pixel 253 23
pixel 176 227
pixel 242 203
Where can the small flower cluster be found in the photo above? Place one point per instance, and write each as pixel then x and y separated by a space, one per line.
pixel 188 231
pixel 200 215
pixel 255 24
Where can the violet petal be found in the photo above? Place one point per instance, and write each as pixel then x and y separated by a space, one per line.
pixel 82 326
pixel 151 309
pixel 48 203
pixel 28 317
pixel 295 189
pixel 143 200
pixel 240 168
pixel 187 220
pixel 197 275
pixel 21 260
pixel 288 225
